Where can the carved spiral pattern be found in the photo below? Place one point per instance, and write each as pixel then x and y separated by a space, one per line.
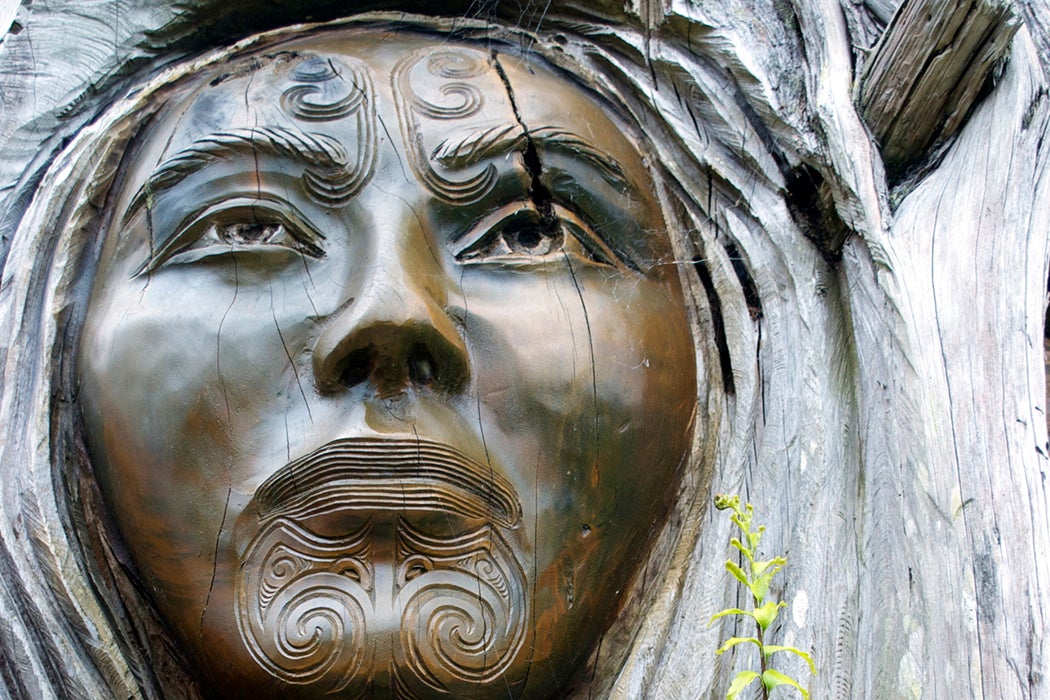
pixel 311 610
pixel 314 69
pixel 466 100
pixel 456 64
pixel 328 89
pixel 296 101
pixel 304 603
pixel 461 100
pixel 463 617
pixel 316 629
pixel 318 77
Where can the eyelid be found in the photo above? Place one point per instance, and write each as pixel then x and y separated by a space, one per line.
pixel 481 230
pixel 263 207
pixel 572 225
pixel 590 240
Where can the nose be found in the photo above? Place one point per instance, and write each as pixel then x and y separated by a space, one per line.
pixel 397 333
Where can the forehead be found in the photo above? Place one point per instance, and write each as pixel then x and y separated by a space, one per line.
pixel 449 90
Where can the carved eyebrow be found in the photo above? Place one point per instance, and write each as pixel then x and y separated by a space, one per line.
pixel 324 158
pixel 499 141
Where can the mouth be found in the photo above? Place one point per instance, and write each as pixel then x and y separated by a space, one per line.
pixel 392 475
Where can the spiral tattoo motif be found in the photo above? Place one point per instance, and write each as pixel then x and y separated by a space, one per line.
pixel 464 607
pixel 303 603
pixel 461 99
pixel 437 615
pixel 327 89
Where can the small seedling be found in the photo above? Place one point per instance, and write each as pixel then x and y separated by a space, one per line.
pixel 756 577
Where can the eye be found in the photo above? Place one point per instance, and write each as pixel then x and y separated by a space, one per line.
pixel 519 234
pixel 522 234
pixel 231 228
pixel 248 233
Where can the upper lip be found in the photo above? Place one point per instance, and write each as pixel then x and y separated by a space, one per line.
pixel 387 474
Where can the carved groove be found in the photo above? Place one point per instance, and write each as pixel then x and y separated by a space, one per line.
pixel 464 608
pixel 295 101
pixel 325 173
pixel 347 96
pixel 464 100
pixel 500 140
pixel 303 602
pixel 310 613
pixel 369 474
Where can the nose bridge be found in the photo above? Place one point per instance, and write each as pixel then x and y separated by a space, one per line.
pixel 406 267
pixel 395 331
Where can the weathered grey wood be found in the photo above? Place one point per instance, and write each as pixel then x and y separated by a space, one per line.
pixel 928 70
pixel 867 21
pixel 883 9
pixel 980 304
pixel 1037 16
pixel 948 469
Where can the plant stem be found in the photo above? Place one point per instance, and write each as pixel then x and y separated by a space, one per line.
pixel 762 661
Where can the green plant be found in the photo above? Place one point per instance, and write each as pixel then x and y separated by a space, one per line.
pixel 756 578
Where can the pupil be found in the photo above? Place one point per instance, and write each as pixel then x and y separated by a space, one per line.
pixel 529 237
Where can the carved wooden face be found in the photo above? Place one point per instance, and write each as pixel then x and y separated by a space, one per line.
pixel 386 372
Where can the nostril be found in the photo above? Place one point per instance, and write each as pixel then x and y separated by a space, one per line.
pixel 422 370
pixel 391 358
pixel 357 366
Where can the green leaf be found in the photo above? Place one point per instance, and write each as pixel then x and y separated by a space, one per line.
pixel 728 611
pixel 774 648
pixel 738 573
pixel 753 538
pixel 733 641
pixel 741 681
pixel 743 550
pixel 760 586
pixel 772 678
pixel 759 567
pixel 725 501
pixel 765 614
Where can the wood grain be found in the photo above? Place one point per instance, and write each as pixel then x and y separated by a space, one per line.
pixel 927 72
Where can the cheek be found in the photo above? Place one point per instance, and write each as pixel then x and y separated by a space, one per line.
pixel 556 356
pixel 177 385
pixel 151 375
pixel 544 344
pixel 585 391
pixel 588 386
